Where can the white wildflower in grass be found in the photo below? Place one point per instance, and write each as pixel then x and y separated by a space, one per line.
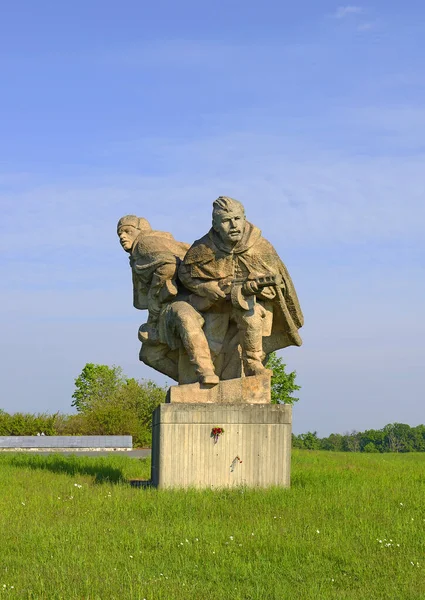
pixel 78 485
pixel 231 537
pixel 317 531
pixel 23 503
pixel 387 543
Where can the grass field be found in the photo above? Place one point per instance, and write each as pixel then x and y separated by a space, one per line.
pixel 351 526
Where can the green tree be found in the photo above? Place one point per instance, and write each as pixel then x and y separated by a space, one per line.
pixel 308 441
pixel 376 437
pixel 283 384
pixel 351 441
pixel 109 403
pixel 333 442
pixel 418 436
pixel 399 437
pixel 370 447
pixel 96 383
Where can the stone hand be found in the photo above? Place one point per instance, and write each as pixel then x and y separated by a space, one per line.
pixel 267 293
pixel 211 290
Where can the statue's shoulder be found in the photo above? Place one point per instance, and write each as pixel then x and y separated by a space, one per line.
pixel 255 243
pixel 265 245
pixel 159 242
pixel 201 251
pixel 265 250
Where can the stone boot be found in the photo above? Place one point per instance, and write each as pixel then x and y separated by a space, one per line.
pixel 252 363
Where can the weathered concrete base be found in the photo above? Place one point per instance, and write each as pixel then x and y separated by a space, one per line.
pixel 251 390
pixel 254 450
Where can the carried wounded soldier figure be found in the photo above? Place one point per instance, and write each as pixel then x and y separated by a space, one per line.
pixel 172 323
pixel 243 291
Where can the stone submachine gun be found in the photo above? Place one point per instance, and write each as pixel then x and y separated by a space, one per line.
pixel 243 291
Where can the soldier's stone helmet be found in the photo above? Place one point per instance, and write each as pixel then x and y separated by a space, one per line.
pixel 138 222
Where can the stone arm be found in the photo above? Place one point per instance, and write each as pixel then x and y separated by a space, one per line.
pixel 157 281
pixel 163 288
pixel 206 289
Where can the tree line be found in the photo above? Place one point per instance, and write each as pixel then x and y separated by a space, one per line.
pixel 110 403
pixel 394 437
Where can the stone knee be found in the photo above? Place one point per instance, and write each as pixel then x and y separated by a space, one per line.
pixel 186 318
pixel 250 320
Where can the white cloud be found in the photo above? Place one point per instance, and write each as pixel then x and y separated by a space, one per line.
pixel 323 198
pixel 344 11
pixel 366 26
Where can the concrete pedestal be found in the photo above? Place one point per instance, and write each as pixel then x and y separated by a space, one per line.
pixel 254 450
pixel 244 390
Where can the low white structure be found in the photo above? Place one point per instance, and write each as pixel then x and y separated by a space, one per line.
pixel 65 443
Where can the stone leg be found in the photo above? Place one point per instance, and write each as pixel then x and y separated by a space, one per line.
pixel 188 324
pixel 250 325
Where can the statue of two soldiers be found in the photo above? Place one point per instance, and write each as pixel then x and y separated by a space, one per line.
pixel 216 309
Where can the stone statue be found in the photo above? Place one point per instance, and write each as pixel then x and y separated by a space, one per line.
pixel 216 309
pixel 173 324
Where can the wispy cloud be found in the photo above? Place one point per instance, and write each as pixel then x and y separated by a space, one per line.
pixel 368 26
pixel 345 11
pixel 328 199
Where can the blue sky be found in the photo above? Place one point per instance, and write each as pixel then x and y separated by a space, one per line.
pixel 310 113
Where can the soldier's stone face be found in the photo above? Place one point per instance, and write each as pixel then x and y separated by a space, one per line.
pixel 230 225
pixel 127 235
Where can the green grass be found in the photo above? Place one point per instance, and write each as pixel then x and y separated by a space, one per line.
pixel 317 540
